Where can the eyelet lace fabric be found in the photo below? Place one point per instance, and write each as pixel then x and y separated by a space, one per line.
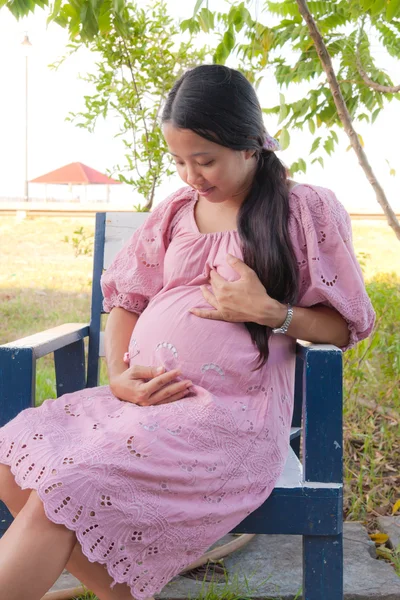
pixel 330 274
pixel 147 490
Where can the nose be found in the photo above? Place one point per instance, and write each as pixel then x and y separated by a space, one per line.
pixel 193 178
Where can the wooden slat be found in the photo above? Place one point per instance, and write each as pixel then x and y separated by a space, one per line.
pixel 306 510
pixel 119 228
pixel 47 341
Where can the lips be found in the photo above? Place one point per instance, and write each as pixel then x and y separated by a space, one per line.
pixel 206 190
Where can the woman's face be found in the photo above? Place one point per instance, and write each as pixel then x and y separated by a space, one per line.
pixel 205 165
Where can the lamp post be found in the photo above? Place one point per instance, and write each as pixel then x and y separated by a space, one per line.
pixel 26 44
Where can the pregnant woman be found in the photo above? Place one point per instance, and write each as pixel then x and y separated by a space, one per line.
pixel 127 484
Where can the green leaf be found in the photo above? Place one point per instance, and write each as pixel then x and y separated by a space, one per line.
pixel 284 138
pixel 329 146
pixel 315 145
pixel 378 7
pixel 375 114
pixel 283 9
pixel 197 6
pixel 206 20
pixel 392 172
pixel 240 17
pixel 54 12
pixel 318 159
pixel 104 22
pixel 302 165
pixel 392 9
pixel 191 24
pixel 283 113
pixel 118 6
pixel 185 24
pixel 346 87
pixel 311 126
pixel 221 54
pixel 229 40
pixel 366 4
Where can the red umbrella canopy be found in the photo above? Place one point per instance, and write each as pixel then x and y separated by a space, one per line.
pixel 75 174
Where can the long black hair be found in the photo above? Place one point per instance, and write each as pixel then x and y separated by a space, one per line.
pixel 220 105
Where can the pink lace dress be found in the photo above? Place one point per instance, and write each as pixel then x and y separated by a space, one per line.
pixel 148 489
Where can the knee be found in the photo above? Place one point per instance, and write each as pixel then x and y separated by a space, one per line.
pixel 34 508
pixel 35 514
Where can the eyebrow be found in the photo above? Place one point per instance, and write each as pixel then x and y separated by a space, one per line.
pixel 195 154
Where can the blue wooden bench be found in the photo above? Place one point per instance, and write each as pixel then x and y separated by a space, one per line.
pixel 307 499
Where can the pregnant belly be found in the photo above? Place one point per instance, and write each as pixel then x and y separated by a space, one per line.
pixel 213 354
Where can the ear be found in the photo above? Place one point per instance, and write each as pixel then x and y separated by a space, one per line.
pixel 249 154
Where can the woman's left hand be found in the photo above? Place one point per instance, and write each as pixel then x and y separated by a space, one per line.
pixel 242 301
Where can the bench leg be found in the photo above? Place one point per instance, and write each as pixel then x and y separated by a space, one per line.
pixel 323 567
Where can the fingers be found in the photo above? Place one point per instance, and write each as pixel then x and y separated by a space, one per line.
pixel 215 277
pixel 207 314
pixel 160 381
pixel 209 296
pixel 140 372
pixel 175 397
pixel 238 265
pixel 170 392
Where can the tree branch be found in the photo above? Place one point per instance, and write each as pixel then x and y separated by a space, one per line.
pixel 130 117
pixel 345 117
pixel 138 96
pixel 385 89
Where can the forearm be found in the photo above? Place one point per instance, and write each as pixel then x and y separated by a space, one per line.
pixel 318 324
pixel 119 328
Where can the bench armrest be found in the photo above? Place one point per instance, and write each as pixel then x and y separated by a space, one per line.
pixel 319 380
pixel 18 366
pixel 50 340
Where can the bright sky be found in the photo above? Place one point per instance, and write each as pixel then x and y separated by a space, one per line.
pixel 54 142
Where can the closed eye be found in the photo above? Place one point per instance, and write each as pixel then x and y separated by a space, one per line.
pixel 200 164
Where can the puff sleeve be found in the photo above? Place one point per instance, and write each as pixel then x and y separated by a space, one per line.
pixel 136 273
pixel 321 234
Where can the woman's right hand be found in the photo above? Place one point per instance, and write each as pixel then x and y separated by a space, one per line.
pixel 146 386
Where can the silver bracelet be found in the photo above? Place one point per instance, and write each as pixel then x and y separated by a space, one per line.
pixel 283 329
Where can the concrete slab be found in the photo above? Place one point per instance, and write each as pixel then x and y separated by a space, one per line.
pixel 391 526
pixel 64 582
pixel 272 567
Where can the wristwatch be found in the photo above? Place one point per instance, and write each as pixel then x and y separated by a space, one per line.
pixel 283 329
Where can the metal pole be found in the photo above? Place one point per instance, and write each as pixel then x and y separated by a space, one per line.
pixel 26 189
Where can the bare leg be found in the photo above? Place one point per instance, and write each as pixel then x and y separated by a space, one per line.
pixel 96 578
pixel 93 575
pixel 36 547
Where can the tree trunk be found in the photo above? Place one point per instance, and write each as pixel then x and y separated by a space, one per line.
pixel 344 116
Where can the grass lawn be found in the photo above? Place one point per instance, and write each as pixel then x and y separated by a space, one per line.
pixel 42 284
